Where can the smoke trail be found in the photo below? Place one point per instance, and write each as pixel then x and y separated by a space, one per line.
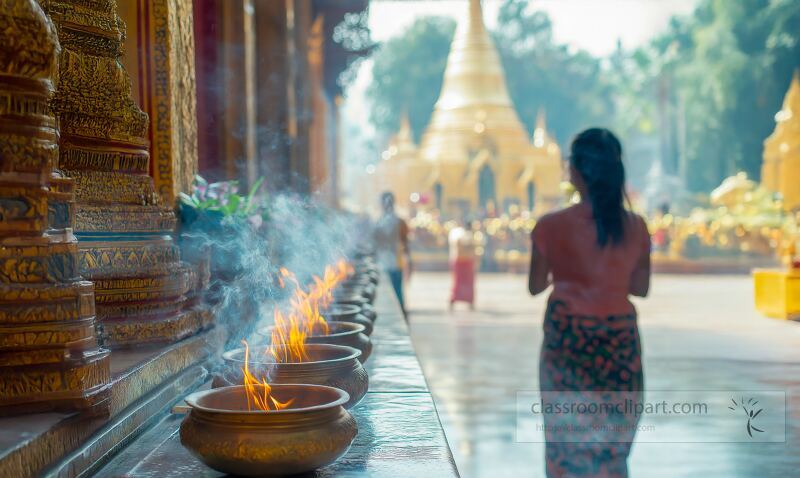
pixel 299 234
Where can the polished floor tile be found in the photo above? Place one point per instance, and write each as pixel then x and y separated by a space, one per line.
pixel 699 333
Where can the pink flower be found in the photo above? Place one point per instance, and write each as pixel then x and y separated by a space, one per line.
pixel 255 220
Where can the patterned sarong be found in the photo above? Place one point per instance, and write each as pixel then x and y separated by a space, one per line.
pixel 593 360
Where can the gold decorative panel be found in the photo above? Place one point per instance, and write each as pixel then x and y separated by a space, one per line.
pixel 49 356
pixel 123 226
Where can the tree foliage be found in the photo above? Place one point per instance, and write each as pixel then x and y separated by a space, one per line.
pixel 540 73
pixel 407 75
pixel 722 74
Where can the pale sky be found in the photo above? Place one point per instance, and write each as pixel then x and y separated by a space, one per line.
pixel 592 25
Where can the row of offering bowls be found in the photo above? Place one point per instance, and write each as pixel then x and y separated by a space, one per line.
pixel 315 429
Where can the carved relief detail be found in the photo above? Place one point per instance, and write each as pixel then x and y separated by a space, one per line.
pixel 49 357
pixel 104 148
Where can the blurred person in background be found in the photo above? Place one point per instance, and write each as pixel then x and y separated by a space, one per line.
pixel 596 254
pixel 462 265
pixel 391 245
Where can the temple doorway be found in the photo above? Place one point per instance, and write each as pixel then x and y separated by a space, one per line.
pixel 531 196
pixel 486 187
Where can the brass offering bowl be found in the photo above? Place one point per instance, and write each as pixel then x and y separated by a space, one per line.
pixel 313 431
pixel 359 280
pixel 351 290
pixel 363 272
pixel 356 289
pixel 347 313
pixel 339 333
pixel 364 253
pixel 367 310
pixel 329 365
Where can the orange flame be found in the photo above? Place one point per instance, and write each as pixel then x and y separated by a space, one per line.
pixel 258 392
pixel 288 339
pixel 304 318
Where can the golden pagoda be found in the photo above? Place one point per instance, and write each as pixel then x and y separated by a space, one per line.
pixel 543 171
pixel 780 171
pixel 401 170
pixel 476 149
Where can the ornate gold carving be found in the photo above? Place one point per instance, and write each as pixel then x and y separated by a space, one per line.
pixel 28 263
pixel 132 332
pixel 23 210
pixel 134 289
pixel 100 159
pixel 36 303
pixel 100 259
pixel 143 309
pixel 74 382
pixel 101 186
pixel 49 358
pixel 29 46
pixel 24 153
pixel 46 335
pixel 122 225
pixel 172 89
pixel 120 217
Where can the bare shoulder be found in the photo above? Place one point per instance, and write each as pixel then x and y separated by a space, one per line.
pixel 558 216
pixel 639 222
pixel 544 223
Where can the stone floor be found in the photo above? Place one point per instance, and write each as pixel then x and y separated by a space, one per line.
pixel 699 333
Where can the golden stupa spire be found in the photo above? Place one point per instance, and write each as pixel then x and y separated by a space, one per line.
pixel 780 171
pixel 474 98
pixel 474 75
pixel 401 144
pixel 404 134
pixel 540 131
pixel 791 103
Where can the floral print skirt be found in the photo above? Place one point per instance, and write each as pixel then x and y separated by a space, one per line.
pixel 591 378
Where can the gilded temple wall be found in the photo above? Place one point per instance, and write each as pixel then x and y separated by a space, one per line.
pixel 780 170
pixel 124 227
pixel 49 355
pixel 159 55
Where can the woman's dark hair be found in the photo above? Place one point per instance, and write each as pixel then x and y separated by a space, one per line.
pixel 597 155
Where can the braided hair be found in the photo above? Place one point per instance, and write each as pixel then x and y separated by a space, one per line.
pixel 597 155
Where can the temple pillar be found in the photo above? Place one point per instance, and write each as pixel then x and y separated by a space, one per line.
pixel 227 112
pixel 238 80
pixel 159 56
pixel 299 20
pixel 272 105
pixel 122 224
pixel 49 356
pixel 335 176
pixel 318 143
pixel 207 28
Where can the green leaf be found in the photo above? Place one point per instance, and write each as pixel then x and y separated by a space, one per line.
pixel 234 200
pixel 188 200
pixel 252 193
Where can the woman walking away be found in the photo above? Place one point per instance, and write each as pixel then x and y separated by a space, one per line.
pixel 596 254
pixel 462 265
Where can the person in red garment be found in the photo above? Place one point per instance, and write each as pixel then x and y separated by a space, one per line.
pixel 595 254
pixel 462 265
